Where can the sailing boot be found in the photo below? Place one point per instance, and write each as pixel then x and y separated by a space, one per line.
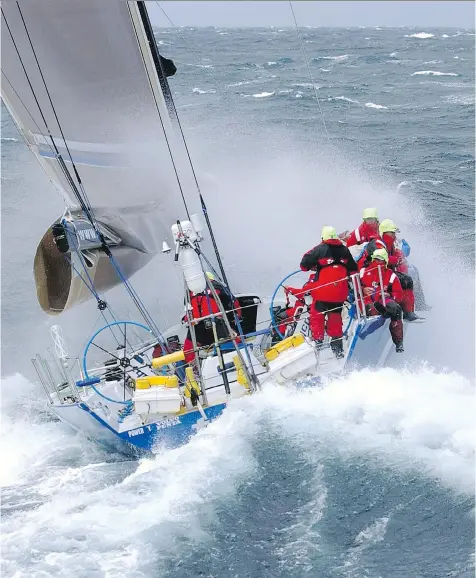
pixel 317 344
pixel 399 347
pixel 337 348
pixel 411 316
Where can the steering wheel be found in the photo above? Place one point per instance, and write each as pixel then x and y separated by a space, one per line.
pixel 125 353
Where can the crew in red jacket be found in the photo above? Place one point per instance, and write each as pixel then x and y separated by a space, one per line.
pixel 332 262
pixel 393 293
pixel 396 262
pixel 204 304
pixel 366 231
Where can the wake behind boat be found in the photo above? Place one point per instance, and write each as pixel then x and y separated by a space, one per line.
pixel 135 386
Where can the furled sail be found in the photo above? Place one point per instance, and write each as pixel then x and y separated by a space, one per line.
pixel 106 108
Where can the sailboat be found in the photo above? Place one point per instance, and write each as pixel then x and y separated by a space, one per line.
pixel 88 90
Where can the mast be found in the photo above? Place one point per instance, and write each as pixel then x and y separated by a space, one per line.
pixel 159 61
pixel 162 76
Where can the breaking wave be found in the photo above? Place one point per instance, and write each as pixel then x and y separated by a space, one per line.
pixel 377 106
pixel 200 91
pixel 343 98
pixel 433 73
pixel 306 85
pixel 262 94
pixel 420 35
pixel 340 58
pixel 75 499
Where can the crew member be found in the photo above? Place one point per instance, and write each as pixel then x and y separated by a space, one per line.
pixel 332 262
pixel 396 261
pixel 366 231
pixel 389 304
pixel 203 304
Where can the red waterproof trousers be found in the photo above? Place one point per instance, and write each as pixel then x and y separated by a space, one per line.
pixel 322 311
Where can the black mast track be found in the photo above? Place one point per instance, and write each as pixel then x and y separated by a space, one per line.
pixel 164 85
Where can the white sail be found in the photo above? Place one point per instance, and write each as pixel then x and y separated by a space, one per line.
pixel 107 103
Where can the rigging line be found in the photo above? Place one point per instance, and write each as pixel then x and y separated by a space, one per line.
pixel 29 145
pixel 176 114
pixel 140 306
pixel 162 123
pixel 193 52
pixel 137 337
pixel 135 298
pixel 30 115
pixel 85 200
pixel 59 157
pixel 309 70
pixel 57 153
pixel 202 202
pixel 93 291
pixel 29 83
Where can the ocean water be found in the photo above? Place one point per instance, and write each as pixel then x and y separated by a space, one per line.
pixel 371 476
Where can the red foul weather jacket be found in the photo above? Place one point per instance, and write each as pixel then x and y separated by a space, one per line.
pixel 332 262
pixel 396 259
pixel 369 277
pixel 363 234
pixel 204 304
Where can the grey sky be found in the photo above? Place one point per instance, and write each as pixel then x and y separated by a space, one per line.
pixel 319 13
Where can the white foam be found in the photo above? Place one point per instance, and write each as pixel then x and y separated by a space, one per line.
pixel 444 36
pixel 199 65
pixel 302 539
pixel 9 139
pixel 239 83
pixel 80 528
pixel 325 69
pixel 263 94
pixel 373 533
pixel 340 58
pixel 420 35
pixel 306 85
pixel 368 537
pixel 271 63
pixel 415 420
pixel 433 73
pixel 377 106
pixel 433 62
pixel 431 181
pixel 200 91
pixel 410 421
pixel 344 98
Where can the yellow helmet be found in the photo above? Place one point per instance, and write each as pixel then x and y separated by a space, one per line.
pixel 381 255
pixel 328 233
pixel 211 276
pixel 370 214
pixel 387 226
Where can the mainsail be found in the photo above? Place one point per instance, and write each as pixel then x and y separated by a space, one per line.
pixel 106 108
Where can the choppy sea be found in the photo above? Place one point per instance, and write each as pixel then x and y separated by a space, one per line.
pixel 371 476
